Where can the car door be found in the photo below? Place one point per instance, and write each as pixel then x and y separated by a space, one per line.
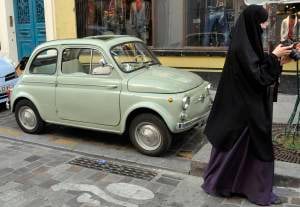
pixel 39 81
pixel 82 96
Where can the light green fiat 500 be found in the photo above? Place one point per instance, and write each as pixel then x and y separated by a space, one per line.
pixel 112 84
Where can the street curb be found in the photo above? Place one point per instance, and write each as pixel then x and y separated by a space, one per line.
pixel 286 174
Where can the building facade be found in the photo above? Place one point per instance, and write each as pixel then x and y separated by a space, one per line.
pixel 188 34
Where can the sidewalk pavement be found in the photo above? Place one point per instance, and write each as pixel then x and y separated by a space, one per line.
pixel 34 176
pixel 286 174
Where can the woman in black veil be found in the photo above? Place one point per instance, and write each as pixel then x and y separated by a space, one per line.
pixel 240 123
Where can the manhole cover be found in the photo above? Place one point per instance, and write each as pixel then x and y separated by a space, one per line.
pixel 107 166
pixel 281 152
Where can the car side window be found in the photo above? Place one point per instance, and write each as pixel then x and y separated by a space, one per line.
pixel 44 63
pixel 81 60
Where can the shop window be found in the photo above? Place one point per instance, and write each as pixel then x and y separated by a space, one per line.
pixel 122 17
pixel 209 22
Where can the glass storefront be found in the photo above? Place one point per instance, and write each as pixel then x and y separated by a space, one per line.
pixel 162 24
pixel 102 17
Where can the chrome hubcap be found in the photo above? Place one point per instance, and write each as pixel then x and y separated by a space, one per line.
pixel 148 136
pixel 27 118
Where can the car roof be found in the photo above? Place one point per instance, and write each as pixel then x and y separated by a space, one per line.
pixel 104 41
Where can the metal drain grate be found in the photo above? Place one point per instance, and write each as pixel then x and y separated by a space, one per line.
pixel 114 168
pixel 286 155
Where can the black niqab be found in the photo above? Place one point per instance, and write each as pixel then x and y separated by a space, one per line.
pixel 252 17
pixel 243 98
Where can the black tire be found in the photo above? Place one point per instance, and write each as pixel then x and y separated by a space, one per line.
pixel 159 126
pixel 39 123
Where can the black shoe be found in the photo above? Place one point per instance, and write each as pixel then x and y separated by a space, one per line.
pixel 277 201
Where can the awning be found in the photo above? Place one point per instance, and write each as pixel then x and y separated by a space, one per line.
pixel 261 2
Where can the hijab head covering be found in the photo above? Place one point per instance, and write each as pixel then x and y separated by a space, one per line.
pixel 248 25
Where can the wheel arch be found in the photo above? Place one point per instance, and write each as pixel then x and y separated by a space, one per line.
pixel 163 114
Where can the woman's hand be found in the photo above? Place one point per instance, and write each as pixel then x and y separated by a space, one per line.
pixel 281 51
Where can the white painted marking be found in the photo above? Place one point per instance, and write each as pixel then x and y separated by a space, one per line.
pixel 130 191
pixel 293 189
pixel 92 189
pixel 86 198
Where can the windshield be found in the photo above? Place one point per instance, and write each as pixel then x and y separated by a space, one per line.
pixel 132 56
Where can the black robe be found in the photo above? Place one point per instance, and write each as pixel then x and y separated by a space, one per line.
pixel 243 97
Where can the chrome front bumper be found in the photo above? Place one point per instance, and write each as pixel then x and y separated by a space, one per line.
pixel 183 126
pixel 7 104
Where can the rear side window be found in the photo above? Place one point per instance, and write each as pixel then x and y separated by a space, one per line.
pixel 80 60
pixel 44 63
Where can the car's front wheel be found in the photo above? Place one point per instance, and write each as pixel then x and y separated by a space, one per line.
pixel 28 118
pixel 149 134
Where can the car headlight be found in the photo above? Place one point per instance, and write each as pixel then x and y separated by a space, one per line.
pixel 186 102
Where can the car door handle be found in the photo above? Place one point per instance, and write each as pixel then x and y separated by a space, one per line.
pixel 110 86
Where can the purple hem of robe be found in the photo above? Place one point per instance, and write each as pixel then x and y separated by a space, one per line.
pixel 237 171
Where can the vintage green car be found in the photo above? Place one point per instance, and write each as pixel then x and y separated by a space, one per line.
pixel 113 84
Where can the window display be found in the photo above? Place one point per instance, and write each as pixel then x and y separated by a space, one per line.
pixel 163 24
pixel 210 22
pixel 132 17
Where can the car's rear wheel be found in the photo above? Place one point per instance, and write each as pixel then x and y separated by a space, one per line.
pixel 28 118
pixel 149 134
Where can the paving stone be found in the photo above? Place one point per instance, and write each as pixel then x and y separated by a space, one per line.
pixel 8 178
pixel 290 205
pixel 34 165
pixel 139 182
pixel 45 160
pixel 41 178
pixel 40 170
pixel 36 203
pixel 25 179
pixel 229 205
pixel 233 200
pixel 172 177
pixel 63 176
pixel 58 169
pixel 74 203
pixel 25 187
pixel 55 163
pixel 59 198
pixel 126 179
pixel 9 194
pixel 168 181
pixel 5 171
pixel 212 201
pixel 9 186
pixel 295 201
pixel 21 171
pixel 112 178
pixel 154 187
pixel 166 189
pixel 285 192
pixel 32 158
pixel 47 184
pixel 97 176
pixel 75 168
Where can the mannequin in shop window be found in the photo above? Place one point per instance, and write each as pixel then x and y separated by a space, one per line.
pixel 114 17
pixel 290 26
pixel 140 18
pixel 216 23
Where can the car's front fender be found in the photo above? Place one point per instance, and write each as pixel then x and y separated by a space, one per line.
pixel 144 107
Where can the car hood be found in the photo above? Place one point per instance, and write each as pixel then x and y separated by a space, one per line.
pixel 159 79
pixel 5 68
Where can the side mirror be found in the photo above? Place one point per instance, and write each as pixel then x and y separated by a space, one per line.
pixel 102 70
